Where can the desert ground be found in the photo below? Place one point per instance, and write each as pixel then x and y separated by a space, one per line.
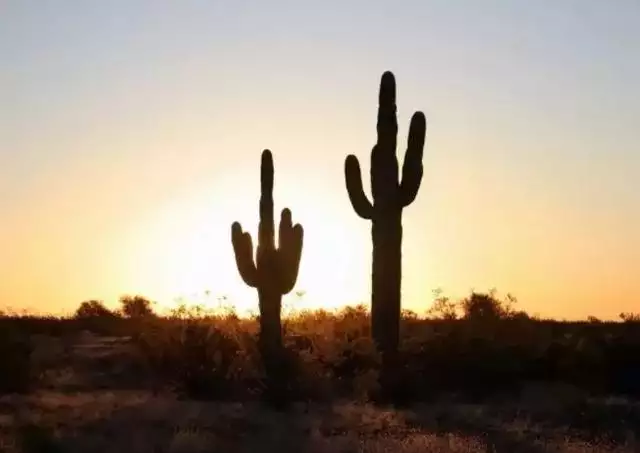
pixel 92 396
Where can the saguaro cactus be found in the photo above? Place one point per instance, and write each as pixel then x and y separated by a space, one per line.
pixel 275 269
pixel 390 196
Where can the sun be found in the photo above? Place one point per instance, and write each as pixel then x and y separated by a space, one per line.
pixel 183 250
pixel 333 269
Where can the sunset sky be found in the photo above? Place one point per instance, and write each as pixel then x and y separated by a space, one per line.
pixel 131 133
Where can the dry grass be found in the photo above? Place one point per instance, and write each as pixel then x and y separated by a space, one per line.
pixel 138 422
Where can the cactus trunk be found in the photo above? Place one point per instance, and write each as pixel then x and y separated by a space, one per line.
pixel 270 336
pixel 270 317
pixel 386 278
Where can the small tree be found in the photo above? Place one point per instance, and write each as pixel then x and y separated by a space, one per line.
pixel 482 306
pixel 136 307
pixel 443 307
pixel 93 309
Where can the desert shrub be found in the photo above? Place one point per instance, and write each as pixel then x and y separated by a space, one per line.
pixel 470 359
pixel 136 307
pixel 298 375
pixel 355 357
pixel 16 374
pixel 92 315
pixel 194 358
pixel 622 365
pixel 630 317
pixel 352 357
pixel 483 306
pixel 443 307
pixel 490 368
pixel 327 354
pixel 490 350
pixel 93 309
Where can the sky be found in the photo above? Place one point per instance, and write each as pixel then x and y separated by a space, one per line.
pixel 131 133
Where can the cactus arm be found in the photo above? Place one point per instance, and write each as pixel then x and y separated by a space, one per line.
pixel 289 251
pixel 285 243
pixel 358 198
pixel 412 166
pixel 243 249
pixel 290 259
pixel 286 227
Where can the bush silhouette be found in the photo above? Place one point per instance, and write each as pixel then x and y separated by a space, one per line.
pixel 136 307
pixel 93 309
pixel 328 356
pixel 192 357
pixel 482 306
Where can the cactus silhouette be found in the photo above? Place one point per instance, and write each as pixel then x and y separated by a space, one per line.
pixel 275 269
pixel 389 196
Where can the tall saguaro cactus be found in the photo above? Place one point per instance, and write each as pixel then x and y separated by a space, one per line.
pixel 275 269
pixel 390 197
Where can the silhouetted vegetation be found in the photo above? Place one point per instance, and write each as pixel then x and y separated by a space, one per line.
pixel 630 317
pixel 479 350
pixel 390 196
pixel 192 357
pixel 480 347
pixel 273 273
pixel 136 307
pixel 16 374
pixel 93 309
